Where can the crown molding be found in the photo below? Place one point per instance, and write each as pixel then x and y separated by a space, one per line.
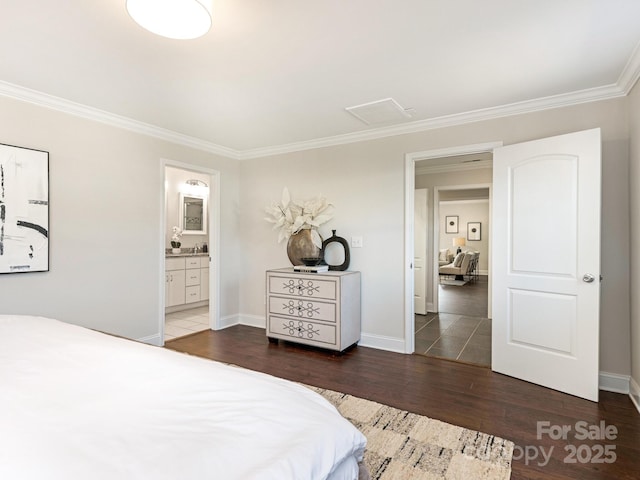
pixel 67 106
pixel 546 103
pixel 631 71
pixel 625 83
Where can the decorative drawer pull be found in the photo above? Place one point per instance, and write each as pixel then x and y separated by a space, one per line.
pixel 300 287
pixel 298 329
pixel 299 308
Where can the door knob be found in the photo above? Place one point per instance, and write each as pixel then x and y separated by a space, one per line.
pixel 588 278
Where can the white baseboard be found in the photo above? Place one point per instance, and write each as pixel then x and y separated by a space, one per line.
pixel 634 393
pixel 155 339
pixel 252 320
pixel 381 342
pixel 243 319
pixel 613 382
pixel 229 321
pixel 186 306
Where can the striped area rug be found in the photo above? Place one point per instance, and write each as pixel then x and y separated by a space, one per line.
pixel 406 446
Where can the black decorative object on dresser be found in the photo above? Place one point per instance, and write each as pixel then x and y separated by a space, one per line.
pixel 347 256
pixel 319 309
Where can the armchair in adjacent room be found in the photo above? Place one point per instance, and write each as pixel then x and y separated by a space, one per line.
pixel 464 264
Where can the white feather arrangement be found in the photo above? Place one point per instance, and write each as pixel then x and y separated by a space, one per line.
pixel 290 217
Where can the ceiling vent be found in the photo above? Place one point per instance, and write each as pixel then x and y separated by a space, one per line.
pixel 380 112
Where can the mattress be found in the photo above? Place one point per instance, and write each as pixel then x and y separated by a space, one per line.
pixel 78 404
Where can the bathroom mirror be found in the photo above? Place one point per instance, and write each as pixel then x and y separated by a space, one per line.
pixel 193 214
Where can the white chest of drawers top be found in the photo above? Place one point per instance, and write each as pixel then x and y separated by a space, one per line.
pixel 321 309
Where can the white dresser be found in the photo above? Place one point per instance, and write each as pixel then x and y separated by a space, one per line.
pixel 320 309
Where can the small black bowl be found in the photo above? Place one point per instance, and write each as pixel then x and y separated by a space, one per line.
pixel 311 261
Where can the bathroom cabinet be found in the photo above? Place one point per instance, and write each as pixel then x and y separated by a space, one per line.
pixel 175 281
pixel 186 280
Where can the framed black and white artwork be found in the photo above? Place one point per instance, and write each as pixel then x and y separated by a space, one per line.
pixel 24 210
pixel 451 224
pixel 473 231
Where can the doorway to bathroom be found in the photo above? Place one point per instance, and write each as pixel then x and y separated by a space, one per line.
pixel 190 249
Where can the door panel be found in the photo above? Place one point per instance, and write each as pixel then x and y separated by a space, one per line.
pixel 543 321
pixel 546 213
pixel 420 252
pixel 540 200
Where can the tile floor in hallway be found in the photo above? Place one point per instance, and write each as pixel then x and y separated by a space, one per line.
pixel 454 336
pixel 186 322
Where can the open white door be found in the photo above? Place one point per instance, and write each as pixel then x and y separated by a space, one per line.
pixel 546 262
pixel 420 252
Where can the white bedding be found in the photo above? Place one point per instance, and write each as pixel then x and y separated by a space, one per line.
pixel 78 404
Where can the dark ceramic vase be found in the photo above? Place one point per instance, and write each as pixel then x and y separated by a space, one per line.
pixel 347 256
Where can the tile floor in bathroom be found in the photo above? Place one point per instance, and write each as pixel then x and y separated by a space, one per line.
pixel 186 322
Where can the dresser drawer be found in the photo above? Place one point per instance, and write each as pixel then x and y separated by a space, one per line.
pixel 192 294
pixel 303 308
pixel 174 263
pixel 302 330
pixel 304 286
pixel 192 262
pixel 192 277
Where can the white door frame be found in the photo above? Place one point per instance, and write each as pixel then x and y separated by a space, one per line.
pixel 422 238
pixel 410 172
pixel 214 240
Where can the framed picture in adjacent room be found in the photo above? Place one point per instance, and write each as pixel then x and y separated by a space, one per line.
pixel 451 224
pixel 473 231
pixel 24 210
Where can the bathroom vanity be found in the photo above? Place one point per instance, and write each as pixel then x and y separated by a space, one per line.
pixel 186 281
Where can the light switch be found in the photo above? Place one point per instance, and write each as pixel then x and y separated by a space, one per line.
pixel 356 242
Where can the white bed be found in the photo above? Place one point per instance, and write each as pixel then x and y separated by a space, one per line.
pixel 78 404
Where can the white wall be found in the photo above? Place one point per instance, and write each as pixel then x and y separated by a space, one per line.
pixel 467 211
pixel 368 202
pixel 106 196
pixel 365 181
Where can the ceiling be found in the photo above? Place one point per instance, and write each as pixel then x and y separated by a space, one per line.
pixel 277 76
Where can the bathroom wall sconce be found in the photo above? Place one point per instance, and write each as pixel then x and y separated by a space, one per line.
pixel 195 187
pixel 196 183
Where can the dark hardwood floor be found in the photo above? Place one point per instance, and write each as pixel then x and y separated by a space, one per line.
pixel 470 299
pixel 466 395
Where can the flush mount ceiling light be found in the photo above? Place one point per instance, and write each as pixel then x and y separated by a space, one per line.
pixel 178 19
